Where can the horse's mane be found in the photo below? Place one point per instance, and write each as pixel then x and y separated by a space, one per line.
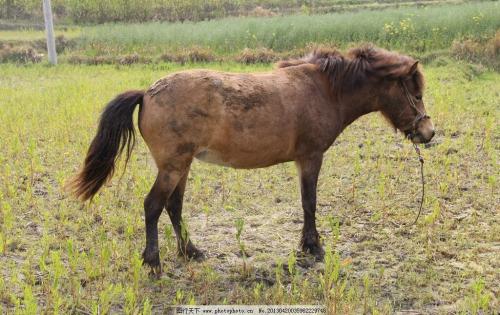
pixel 349 71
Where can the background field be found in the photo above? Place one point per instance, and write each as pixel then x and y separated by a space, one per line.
pixel 60 256
pixel 94 11
pixel 415 30
pixel 465 31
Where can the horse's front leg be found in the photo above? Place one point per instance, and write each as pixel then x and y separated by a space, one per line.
pixel 309 171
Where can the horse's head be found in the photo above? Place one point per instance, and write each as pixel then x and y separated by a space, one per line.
pixel 394 82
pixel 401 102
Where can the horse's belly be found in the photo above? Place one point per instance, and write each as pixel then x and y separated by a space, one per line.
pixel 212 157
pixel 241 159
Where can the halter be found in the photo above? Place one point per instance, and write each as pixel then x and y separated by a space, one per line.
pixel 420 115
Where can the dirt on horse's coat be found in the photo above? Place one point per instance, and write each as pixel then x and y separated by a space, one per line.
pixel 293 113
pixel 247 120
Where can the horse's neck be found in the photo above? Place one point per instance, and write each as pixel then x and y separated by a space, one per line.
pixel 356 105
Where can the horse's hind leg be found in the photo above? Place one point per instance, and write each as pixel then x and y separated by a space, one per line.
pixel 153 206
pixel 174 210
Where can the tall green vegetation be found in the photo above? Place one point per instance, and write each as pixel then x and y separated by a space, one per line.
pixel 408 29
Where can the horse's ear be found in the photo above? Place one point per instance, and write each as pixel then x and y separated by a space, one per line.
pixel 413 68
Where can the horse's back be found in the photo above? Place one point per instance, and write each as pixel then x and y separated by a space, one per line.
pixel 235 119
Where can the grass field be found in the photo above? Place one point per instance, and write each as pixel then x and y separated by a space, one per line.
pixel 60 256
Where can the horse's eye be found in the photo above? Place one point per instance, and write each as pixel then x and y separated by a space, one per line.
pixel 418 97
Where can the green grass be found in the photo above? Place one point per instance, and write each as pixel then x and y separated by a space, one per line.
pixel 408 29
pixel 57 255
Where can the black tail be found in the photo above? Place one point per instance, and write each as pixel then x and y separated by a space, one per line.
pixel 114 134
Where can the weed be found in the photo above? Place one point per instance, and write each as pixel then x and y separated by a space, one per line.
pixel 136 265
pixel 106 298
pixel 334 225
pixel 170 237
pixel 147 307
pixel 239 229
pixel 130 301
pixel 333 285
pixel 477 299
pixel 29 301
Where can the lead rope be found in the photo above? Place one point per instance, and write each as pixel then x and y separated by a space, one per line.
pixel 421 160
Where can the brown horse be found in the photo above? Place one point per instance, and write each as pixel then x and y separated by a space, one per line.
pixel 293 113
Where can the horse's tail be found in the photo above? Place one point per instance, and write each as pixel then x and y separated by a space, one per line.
pixel 114 134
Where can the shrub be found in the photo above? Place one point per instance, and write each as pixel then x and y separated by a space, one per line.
pixel 466 50
pixel 486 52
pixel 260 12
pixel 494 45
pixel 129 59
pixel 96 60
pixel 19 54
pixel 198 54
pixel 193 54
pixel 168 57
pixel 260 55
pixel 62 43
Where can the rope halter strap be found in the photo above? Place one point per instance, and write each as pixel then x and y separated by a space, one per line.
pixel 420 115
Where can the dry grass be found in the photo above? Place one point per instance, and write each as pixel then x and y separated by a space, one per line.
pixel 63 43
pixel 262 55
pixel 18 54
pixel 261 12
pixel 192 55
pixel 28 51
pixel 485 52
pixel 97 60
pixel 108 60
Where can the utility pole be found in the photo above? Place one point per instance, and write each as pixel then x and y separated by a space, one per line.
pixel 49 30
pixel 8 9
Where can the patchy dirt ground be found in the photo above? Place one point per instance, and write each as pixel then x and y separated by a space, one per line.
pixel 59 255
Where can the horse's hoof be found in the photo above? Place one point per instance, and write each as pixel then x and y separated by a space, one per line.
pixel 152 259
pixel 315 250
pixel 305 260
pixel 155 272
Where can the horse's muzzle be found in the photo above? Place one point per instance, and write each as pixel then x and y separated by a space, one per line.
pixel 422 131
pixel 417 137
